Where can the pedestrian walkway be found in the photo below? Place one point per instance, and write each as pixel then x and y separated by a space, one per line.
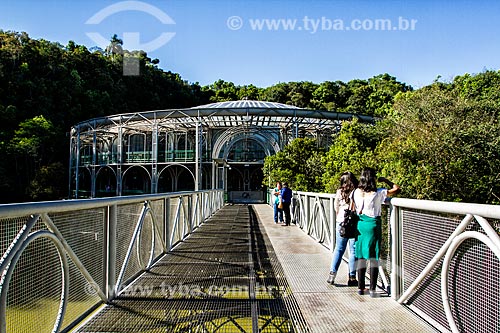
pixel 224 277
pixel 328 308
pixel 240 272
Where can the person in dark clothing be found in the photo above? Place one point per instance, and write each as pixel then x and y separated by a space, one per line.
pixel 286 199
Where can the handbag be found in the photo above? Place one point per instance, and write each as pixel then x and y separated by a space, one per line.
pixel 349 227
pixel 280 205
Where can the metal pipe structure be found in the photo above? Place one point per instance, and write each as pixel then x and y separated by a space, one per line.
pixel 493 244
pixel 156 151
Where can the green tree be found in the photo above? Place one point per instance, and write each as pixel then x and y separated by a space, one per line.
pixel 300 94
pixel 352 149
pixel 49 183
pixel 115 46
pixel 299 164
pixel 443 146
pixel 250 92
pixel 66 85
pixel 359 92
pixel 31 148
pixel 277 93
pixel 223 91
pixel 329 96
pixel 384 89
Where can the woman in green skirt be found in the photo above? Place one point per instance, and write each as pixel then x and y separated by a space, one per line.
pixel 369 199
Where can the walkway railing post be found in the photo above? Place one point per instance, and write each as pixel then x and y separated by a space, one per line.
pixel 110 250
pixel 307 215
pixel 166 223
pixel 333 224
pixel 397 283
pixel 201 199
pixel 190 219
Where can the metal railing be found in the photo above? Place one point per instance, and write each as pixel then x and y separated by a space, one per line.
pixel 314 213
pixel 442 258
pixel 446 262
pixel 63 259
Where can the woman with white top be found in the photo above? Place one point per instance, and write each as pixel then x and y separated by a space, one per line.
pixel 343 197
pixel 369 199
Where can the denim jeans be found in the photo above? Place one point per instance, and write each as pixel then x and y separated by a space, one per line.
pixel 340 247
pixel 278 213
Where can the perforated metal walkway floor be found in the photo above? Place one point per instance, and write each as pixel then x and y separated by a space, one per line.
pixel 229 276
pixel 225 277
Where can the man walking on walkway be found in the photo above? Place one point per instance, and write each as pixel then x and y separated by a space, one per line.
pixel 286 199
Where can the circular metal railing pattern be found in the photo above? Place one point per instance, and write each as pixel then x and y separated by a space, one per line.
pixel 52 251
pixel 14 259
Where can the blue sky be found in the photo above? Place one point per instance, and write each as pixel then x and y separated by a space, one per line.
pixel 300 41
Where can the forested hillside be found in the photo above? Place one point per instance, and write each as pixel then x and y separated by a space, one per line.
pixel 46 87
pixel 439 141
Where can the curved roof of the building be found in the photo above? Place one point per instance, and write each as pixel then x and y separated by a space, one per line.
pixel 226 114
pixel 241 104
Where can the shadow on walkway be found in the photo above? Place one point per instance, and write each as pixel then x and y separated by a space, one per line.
pixel 225 277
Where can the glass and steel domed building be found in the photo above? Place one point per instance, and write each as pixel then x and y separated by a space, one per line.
pixel 219 145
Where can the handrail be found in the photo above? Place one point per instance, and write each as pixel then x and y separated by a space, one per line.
pixel 177 214
pixel 27 208
pixel 409 219
pixel 459 208
pixel 113 223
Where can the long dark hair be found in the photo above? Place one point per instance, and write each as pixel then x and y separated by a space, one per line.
pixel 348 183
pixel 368 180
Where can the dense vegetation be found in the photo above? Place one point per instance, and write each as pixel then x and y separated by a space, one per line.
pixel 45 88
pixel 439 142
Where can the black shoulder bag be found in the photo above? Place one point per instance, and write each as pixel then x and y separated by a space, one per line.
pixel 349 227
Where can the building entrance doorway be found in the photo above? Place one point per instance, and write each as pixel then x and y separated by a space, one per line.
pixel 244 183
